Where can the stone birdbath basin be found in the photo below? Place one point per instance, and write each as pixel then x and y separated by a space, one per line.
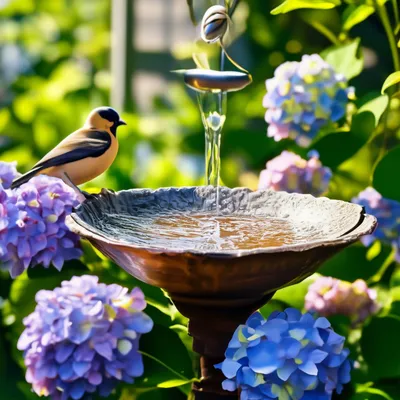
pixel 217 288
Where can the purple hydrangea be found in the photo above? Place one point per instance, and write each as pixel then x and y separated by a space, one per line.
pixel 291 173
pixel 289 356
pixel 329 296
pixel 83 338
pixel 8 172
pixel 32 225
pixel 304 96
pixel 387 213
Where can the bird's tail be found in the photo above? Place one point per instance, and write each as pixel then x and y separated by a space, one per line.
pixel 24 178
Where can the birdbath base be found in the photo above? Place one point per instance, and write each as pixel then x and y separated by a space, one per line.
pixel 212 323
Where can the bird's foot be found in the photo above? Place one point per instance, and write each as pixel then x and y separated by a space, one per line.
pixel 92 196
pixel 89 196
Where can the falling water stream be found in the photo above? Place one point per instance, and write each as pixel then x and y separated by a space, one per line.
pixel 213 114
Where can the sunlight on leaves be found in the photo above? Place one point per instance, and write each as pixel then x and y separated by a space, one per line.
pixel 290 5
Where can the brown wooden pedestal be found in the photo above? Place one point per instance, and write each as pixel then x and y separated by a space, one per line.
pixel 212 323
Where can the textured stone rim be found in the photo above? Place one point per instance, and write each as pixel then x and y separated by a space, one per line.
pixel 365 223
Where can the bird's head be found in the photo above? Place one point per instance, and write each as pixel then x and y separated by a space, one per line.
pixel 105 118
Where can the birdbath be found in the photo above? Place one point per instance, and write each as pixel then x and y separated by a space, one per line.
pixel 215 270
pixel 220 253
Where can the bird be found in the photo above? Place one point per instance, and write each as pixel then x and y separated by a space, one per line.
pixel 84 154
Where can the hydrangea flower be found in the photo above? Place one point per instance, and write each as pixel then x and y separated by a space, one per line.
pixel 330 296
pixel 32 225
pixel 387 213
pixel 289 356
pixel 291 173
pixel 8 172
pixel 304 96
pixel 83 337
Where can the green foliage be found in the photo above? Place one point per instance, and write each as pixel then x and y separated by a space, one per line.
pixel 355 14
pixel 389 163
pixel 290 5
pixel 330 147
pixel 346 59
pixel 379 346
pixel 390 81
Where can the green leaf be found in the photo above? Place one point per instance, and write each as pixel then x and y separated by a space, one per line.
pixel 356 15
pixel 376 106
pixel 371 394
pixel 346 59
pixel 290 5
pixel 395 279
pixel 380 349
pixel 294 295
pixel 391 80
pixel 131 392
pixel 187 340
pixel 373 391
pixel 374 250
pixel 356 256
pixel 165 358
pixel 331 146
pixel 387 166
pixel 173 383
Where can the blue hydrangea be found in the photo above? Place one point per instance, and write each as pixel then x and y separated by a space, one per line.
pixel 32 225
pixel 304 96
pixel 83 338
pixel 387 212
pixel 290 356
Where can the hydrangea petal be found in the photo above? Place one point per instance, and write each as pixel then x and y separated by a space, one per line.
pixel 264 358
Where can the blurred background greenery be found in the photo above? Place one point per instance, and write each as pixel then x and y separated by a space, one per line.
pixel 61 58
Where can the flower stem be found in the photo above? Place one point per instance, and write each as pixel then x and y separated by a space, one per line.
pixel 383 15
pixel 167 367
pixel 233 7
pixel 396 16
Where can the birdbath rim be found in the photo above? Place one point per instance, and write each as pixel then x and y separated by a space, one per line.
pixel 360 225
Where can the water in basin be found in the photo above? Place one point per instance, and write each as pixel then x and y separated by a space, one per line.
pixel 206 232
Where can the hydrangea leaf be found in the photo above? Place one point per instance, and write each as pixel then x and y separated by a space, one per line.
pixel 167 362
pixel 380 349
pixel 290 5
pixel 338 266
pixel 346 59
pixel 371 394
pixel 356 14
pixel 391 80
pixel 330 147
pixel 294 295
pixel 376 106
pixel 174 383
pixel 384 169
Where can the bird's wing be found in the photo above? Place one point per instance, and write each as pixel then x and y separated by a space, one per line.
pixel 80 144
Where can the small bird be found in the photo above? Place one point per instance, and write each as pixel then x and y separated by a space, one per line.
pixel 84 154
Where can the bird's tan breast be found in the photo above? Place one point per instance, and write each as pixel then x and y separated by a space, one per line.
pixel 85 170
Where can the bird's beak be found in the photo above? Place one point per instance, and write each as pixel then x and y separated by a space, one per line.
pixel 121 122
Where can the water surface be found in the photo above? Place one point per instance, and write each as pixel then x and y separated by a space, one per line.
pixel 203 231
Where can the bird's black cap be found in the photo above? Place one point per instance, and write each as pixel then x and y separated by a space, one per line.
pixel 108 113
pixel 111 115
